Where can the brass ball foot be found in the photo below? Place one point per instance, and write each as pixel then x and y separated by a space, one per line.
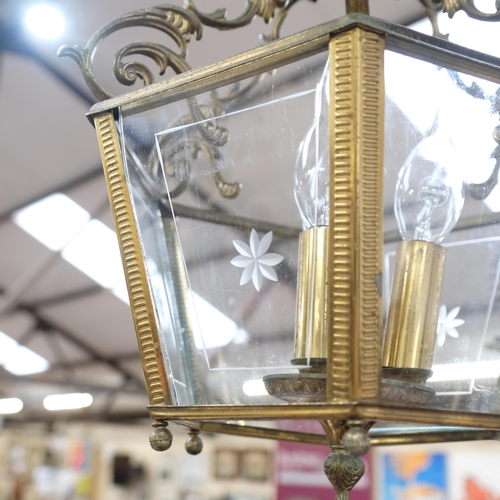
pixel 160 438
pixel 194 444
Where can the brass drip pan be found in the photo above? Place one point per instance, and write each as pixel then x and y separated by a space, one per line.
pixel 405 387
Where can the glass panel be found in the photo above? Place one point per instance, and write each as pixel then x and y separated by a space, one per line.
pixel 439 153
pixel 220 211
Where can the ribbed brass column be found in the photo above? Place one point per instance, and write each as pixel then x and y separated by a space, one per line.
pixel 356 216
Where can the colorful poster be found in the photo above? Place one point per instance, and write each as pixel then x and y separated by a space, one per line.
pixel 473 474
pixel 300 474
pixel 414 476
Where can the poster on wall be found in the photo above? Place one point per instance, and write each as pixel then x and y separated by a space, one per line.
pixel 414 476
pixel 300 474
pixel 473 475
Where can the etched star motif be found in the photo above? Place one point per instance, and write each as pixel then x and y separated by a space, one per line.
pixel 447 324
pixel 255 261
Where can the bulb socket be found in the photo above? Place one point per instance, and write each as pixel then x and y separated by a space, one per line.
pixel 310 319
pixel 411 331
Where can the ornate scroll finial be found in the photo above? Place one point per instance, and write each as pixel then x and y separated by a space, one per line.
pixel 178 23
pixel 343 471
pixel 451 7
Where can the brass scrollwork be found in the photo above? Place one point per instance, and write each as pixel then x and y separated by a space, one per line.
pixel 260 8
pixel 280 18
pixel 469 7
pixel 180 24
pixel 451 7
pixel 482 190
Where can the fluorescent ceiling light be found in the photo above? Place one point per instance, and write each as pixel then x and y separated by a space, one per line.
pixel 94 251
pixel 73 401
pixel 18 359
pixel 45 21
pixel 53 221
pixel 255 388
pixel 92 247
pixel 10 405
pixel 89 245
pixel 465 371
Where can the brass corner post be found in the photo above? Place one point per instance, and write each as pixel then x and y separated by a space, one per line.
pixel 354 6
pixel 356 215
pixel 141 302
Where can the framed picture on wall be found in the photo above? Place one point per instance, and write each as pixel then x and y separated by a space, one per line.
pixel 256 464
pixel 227 463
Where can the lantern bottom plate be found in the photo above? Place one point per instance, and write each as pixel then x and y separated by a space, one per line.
pixel 311 388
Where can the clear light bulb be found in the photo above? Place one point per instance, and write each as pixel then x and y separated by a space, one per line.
pixel 312 165
pixel 430 192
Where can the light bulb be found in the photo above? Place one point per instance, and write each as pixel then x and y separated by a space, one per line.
pixel 430 192
pixel 428 200
pixel 312 197
pixel 312 165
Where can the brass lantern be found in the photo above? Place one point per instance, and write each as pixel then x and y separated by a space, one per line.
pixel 260 204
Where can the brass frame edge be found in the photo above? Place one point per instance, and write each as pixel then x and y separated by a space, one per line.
pixel 263 433
pixel 326 411
pixel 423 437
pixel 141 302
pixel 389 438
pixel 398 39
pixel 355 242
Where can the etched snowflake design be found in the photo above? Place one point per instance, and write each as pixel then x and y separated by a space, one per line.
pixel 255 261
pixel 447 324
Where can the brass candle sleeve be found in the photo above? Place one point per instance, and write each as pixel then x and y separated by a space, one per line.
pixel 310 318
pixel 413 311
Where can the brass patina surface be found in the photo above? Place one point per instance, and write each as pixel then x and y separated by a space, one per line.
pixel 310 387
pixel 356 215
pixel 377 437
pixel 370 411
pixel 343 471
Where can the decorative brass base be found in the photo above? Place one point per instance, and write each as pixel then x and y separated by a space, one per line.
pixel 343 471
pixel 297 387
pixel 407 386
pixel 401 385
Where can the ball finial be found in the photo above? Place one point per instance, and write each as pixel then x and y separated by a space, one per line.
pixel 356 441
pixel 194 444
pixel 160 438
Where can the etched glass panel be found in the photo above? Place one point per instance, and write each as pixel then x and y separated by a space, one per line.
pixel 220 208
pixel 439 154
